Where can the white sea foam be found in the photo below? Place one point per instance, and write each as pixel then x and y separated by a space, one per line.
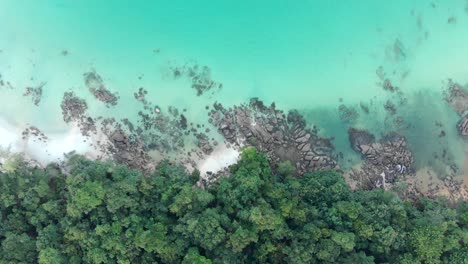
pixel 61 143
pixel 221 157
pixel 54 149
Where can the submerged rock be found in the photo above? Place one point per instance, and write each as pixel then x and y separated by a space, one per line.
pixel 348 114
pixel 96 86
pixel 457 96
pixel 35 93
pixel 199 76
pixel 73 107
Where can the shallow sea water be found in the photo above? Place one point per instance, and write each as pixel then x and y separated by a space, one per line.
pixel 310 55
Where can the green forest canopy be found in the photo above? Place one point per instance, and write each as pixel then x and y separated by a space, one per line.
pixel 107 213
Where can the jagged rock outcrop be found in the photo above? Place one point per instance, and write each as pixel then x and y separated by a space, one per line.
pixel 96 86
pixel 282 137
pixel 129 152
pixel 384 160
pixel 359 138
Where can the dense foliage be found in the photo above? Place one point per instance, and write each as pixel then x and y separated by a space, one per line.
pixel 102 213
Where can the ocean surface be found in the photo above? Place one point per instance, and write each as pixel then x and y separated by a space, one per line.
pixel 314 56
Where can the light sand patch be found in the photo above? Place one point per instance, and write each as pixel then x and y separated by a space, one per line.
pixel 221 157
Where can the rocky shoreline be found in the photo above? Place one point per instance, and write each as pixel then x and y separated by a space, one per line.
pixel 282 135
pixel 384 160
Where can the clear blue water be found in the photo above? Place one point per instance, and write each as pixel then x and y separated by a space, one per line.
pixel 300 54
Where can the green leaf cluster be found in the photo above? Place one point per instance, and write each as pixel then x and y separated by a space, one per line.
pixel 107 213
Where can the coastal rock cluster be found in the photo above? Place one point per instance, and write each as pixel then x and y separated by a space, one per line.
pixel 199 76
pixel 457 97
pixel 384 160
pixel 73 107
pixel 113 142
pixel 96 86
pixel 35 132
pixel 282 137
pixel 159 129
pixel 130 152
pixel 127 142
pixel 35 93
pixel 74 110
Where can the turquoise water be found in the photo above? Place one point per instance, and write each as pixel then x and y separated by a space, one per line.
pixel 300 54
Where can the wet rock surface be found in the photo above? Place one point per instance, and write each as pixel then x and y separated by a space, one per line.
pixel 281 136
pixel 96 86
pixel 384 160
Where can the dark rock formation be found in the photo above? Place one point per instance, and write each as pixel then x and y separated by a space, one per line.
pixel 129 152
pixel 96 86
pixel 388 86
pixel 203 143
pixel 140 95
pixel 199 76
pixel 359 138
pixel 281 137
pixel 34 132
pixel 463 126
pixel 74 110
pixel 457 96
pixel 73 107
pixel 35 93
pixel 384 160
pixel 364 107
pixel 390 107
pixel 347 114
